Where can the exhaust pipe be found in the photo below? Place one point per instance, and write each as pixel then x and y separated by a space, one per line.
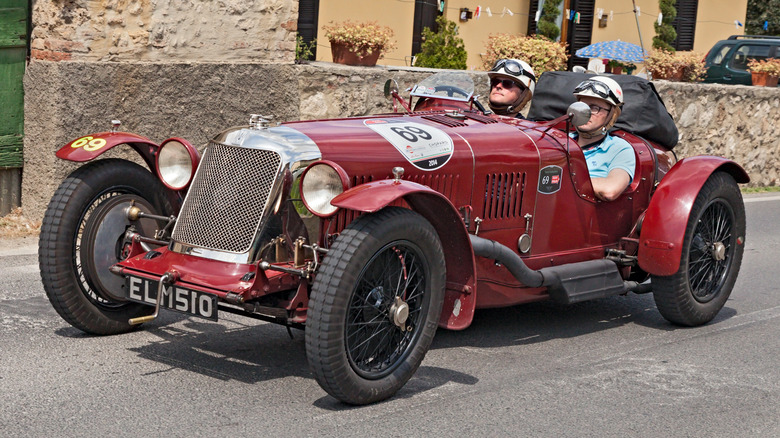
pixel 570 283
pixel 490 249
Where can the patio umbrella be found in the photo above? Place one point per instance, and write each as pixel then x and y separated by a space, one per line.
pixel 617 50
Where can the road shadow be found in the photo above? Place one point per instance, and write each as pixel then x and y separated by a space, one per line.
pixel 249 351
pixel 539 322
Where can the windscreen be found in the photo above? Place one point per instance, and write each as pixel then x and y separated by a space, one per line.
pixel 446 85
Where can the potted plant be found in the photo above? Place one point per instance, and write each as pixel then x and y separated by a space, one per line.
pixel 614 67
pixel 692 65
pixel 661 65
pixel 355 43
pixel 541 53
pixel 764 72
pixel 680 66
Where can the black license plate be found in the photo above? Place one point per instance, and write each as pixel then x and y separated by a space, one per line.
pixel 180 299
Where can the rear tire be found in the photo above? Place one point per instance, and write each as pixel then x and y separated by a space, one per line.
pixel 375 306
pixel 711 256
pixel 81 237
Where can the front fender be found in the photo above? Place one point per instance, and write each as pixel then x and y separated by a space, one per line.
pixel 663 229
pixel 91 146
pixel 460 296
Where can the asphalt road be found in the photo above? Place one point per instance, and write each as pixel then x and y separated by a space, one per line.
pixel 611 367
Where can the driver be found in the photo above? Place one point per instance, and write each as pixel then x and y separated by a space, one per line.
pixel 511 87
pixel 611 161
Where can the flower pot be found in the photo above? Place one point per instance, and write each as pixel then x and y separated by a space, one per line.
pixel 762 79
pixel 676 75
pixel 617 70
pixel 343 55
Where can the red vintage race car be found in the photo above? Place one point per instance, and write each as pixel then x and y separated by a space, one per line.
pixel 371 232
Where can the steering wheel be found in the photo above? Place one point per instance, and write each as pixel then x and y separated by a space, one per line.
pixel 451 90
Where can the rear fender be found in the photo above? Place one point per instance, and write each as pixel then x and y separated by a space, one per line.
pixel 92 146
pixel 666 218
pixel 460 294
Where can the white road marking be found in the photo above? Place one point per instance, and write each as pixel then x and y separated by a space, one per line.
pixel 25 250
pixel 762 199
pixel 26 269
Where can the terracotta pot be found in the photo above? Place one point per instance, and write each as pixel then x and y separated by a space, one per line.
pixel 617 70
pixel 342 55
pixel 763 79
pixel 676 75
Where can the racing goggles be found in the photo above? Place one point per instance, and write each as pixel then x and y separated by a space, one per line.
pixel 601 89
pixel 512 67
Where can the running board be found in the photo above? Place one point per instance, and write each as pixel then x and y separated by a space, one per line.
pixel 583 281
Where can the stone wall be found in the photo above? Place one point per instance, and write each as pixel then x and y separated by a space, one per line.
pixel 738 122
pixel 165 30
pixel 66 100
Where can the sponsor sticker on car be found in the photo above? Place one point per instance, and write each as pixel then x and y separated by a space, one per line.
pixel 425 147
pixel 180 299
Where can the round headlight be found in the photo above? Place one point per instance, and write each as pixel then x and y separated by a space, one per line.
pixel 320 183
pixel 175 164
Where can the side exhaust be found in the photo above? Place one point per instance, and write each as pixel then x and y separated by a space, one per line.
pixel 567 284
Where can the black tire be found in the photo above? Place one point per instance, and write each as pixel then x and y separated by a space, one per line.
pixel 353 362
pixel 711 256
pixel 85 218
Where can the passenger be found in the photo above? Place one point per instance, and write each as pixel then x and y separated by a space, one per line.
pixel 512 84
pixel 611 161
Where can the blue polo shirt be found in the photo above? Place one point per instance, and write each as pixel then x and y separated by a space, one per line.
pixel 609 154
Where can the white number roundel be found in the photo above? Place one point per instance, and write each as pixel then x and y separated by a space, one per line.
pixel 424 146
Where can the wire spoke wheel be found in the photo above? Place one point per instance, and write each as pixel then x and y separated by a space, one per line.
pixel 82 235
pixel 385 310
pixel 711 250
pixel 375 305
pixel 711 255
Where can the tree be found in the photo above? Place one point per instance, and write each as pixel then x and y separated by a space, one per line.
pixel 665 33
pixel 547 19
pixel 760 11
pixel 442 49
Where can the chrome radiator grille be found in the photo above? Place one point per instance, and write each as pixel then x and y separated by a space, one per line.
pixel 227 198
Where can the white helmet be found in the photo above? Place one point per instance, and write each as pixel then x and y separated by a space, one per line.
pixel 601 87
pixel 515 69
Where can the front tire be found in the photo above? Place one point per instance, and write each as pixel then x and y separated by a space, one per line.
pixel 711 256
pixel 375 306
pixel 81 237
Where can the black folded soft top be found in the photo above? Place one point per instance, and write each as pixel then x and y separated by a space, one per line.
pixel 644 112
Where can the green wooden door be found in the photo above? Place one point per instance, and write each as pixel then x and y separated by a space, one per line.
pixel 13 52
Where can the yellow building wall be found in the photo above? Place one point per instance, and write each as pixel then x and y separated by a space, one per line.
pixel 399 16
pixel 475 32
pixel 715 21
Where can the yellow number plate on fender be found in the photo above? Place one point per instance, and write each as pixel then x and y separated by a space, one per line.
pixel 176 298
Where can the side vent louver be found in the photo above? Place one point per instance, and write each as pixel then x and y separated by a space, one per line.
pixel 480 118
pixel 441 183
pixel 503 195
pixel 444 120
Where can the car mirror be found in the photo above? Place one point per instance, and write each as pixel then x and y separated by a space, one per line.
pixel 579 113
pixel 391 86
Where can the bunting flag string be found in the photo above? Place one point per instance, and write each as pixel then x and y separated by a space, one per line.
pixel 575 16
